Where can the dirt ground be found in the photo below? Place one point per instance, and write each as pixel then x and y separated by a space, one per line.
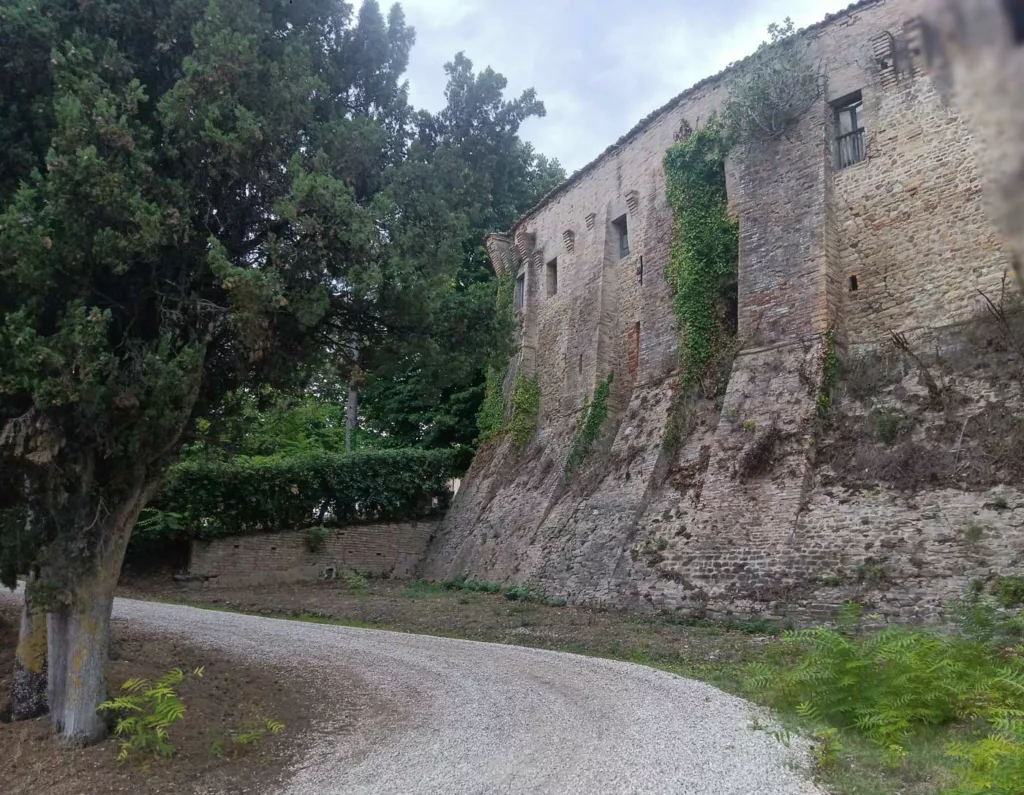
pixel 227 696
pixel 428 608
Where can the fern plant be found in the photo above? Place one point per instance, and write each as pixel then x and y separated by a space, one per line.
pixel 254 729
pixel 145 712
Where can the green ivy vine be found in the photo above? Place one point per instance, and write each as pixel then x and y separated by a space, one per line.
pixel 705 248
pixel 492 410
pixel 491 417
pixel 525 410
pixel 829 373
pixel 595 412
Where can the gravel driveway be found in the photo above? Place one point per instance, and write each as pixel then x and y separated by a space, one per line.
pixel 436 716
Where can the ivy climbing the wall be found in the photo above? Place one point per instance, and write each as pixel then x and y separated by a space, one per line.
pixel 702 259
pixel 491 417
pixel 492 410
pixel 595 412
pixel 525 409
pixel 829 373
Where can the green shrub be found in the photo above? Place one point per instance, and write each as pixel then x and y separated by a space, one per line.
pixel 889 424
pixel 144 714
pixel 891 685
pixel 249 495
pixel 1010 591
pixel 355 582
pixel 316 539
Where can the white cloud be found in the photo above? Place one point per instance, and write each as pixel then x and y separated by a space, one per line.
pixel 599 66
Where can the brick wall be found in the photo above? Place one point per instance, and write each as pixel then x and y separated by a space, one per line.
pixel 647 523
pixel 394 550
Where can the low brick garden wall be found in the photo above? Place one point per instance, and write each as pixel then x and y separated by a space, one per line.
pixel 392 549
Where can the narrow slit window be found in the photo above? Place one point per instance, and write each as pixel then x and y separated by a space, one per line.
pixel 640 270
pixel 520 295
pixel 551 273
pixel 621 227
pixel 853 284
pixel 850 144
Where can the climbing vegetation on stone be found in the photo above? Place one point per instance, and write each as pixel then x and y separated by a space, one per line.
pixel 594 413
pixel 491 417
pixel 829 374
pixel 705 248
pixel 525 409
pixel 775 88
pixel 492 410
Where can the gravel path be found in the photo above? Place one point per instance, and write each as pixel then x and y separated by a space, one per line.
pixel 436 716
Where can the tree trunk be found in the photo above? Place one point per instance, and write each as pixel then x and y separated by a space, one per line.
pixel 79 633
pixel 83 649
pixel 28 692
pixel 57 668
pixel 351 415
pixel 352 409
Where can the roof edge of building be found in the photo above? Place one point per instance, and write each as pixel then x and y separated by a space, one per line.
pixel 650 118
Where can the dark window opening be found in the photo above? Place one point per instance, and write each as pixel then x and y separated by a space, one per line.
pixel 622 232
pixel 580 367
pixel 640 270
pixel 850 148
pixel 551 270
pixel 1015 11
pixel 520 298
pixel 853 284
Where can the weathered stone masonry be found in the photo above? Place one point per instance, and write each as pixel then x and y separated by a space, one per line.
pixel 392 550
pixel 897 242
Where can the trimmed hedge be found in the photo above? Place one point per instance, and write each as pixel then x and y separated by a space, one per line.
pixel 252 495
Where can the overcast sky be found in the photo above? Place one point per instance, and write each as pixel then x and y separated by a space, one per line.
pixel 599 66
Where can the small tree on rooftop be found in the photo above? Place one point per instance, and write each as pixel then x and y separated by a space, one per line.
pixel 773 88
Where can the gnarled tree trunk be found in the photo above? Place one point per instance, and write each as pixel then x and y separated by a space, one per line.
pixel 79 633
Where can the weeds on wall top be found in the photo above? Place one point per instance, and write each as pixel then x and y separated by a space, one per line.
pixel 773 89
pixel 594 413
pixel 705 246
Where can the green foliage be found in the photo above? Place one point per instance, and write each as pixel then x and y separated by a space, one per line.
pixel 248 495
pixel 491 417
pixel 829 374
pixel 592 418
pixel 355 582
pixel 468 173
pixel 316 539
pixel 889 424
pixel 525 592
pixel 773 89
pixel 253 729
pixel 973 533
pixel 187 211
pixel 892 685
pixel 828 747
pixel 525 410
pixel 1010 591
pixel 144 713
pixel 705 246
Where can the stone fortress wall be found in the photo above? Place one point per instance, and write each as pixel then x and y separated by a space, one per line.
pixel 897 242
